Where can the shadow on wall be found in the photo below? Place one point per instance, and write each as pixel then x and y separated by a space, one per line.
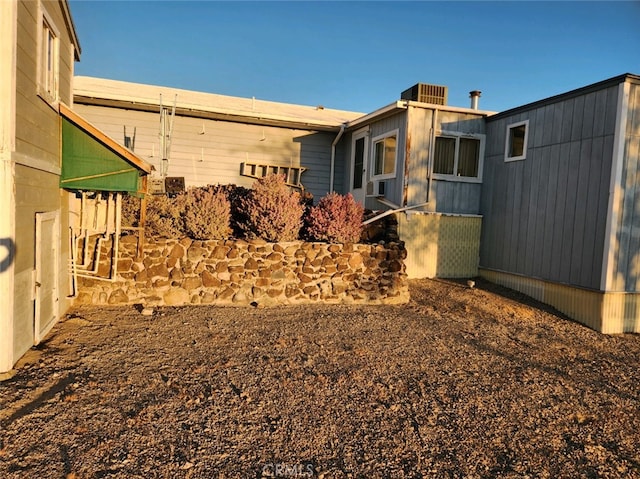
pixel 6 261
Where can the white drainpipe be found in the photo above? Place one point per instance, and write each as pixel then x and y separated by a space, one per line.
pixel 333 155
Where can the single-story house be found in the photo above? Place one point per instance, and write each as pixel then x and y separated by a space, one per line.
pixel 542 198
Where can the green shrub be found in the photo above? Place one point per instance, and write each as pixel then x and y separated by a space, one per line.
pixel 273 211
pixel 335 219
pixel 207 213
pixel 165 216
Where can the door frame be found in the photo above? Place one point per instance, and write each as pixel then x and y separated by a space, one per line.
pixel 359 193
pixel 50 253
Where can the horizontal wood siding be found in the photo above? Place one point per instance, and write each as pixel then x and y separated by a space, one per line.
pixel 545 216
pixel 37 129
pixel 627 246
pixel 212 151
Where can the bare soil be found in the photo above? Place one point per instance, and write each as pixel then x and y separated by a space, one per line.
pixel 459 383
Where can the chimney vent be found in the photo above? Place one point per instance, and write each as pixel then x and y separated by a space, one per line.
pixel 425 93
pixel 475 96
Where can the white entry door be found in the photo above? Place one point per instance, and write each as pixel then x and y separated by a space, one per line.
pixel 46 273
pixel 359 151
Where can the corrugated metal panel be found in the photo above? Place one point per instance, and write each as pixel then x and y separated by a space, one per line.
pixel 440 246
pixel 609 313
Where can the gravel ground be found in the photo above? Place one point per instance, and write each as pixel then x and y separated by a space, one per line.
pixel 458 383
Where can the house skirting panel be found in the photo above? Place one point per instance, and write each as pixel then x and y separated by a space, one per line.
pixel 440 245
pixel 609 313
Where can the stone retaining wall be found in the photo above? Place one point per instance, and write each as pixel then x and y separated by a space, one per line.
pixel 178 272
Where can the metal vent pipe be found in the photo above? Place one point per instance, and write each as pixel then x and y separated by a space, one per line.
pixel 475 97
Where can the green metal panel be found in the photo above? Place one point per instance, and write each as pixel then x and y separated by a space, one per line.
pixel 88 164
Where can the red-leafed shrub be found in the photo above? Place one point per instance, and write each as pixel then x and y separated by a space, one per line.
pixel 165 216
pixel 207 213
pixel 274 212
pixel 335 219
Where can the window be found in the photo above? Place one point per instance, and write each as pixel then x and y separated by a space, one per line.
pixel 458 157
pixel 384 155
pixel 516 145
pixel 358 163
pixel 48 60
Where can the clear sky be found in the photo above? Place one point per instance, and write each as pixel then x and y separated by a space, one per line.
pixel 360 55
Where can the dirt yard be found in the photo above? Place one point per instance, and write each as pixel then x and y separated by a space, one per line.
pixel 459 383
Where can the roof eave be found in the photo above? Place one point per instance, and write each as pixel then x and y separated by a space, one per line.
pixel 257 118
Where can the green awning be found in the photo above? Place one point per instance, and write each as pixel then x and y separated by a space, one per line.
pixel 92 161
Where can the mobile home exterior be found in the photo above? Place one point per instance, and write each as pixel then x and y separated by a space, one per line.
pixel 425 159
pixel 561 203
pixel 542 198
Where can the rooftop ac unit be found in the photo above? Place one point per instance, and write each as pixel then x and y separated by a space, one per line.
pixel 425 93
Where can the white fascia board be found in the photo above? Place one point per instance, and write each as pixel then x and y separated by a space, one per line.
pixel 615 188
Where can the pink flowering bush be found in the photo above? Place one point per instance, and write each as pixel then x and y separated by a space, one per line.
pixel 207 214
pixel 273 211
pixel 335 219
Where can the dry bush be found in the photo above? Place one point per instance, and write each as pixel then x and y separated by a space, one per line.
pixel 273 211
pixel 165 216
pixel 207 213
pixel 335 219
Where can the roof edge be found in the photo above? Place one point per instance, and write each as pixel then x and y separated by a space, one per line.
pixel 71 27
pixel 569 94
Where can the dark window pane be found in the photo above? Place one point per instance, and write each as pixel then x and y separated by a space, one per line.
pixel 358 163
pixel 444 155
pixel 468 157
pixel 516 140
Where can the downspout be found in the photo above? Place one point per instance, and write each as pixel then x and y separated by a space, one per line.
pixel 432 149
pixel 333 155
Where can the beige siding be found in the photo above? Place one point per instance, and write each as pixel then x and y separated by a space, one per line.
pixel 609 313
pixel 207 151
pixel 37 158
pixel 441 246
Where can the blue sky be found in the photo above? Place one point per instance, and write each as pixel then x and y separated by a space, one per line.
pixel 360 55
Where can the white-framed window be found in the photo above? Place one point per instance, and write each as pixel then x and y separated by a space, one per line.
pixel 385 155
pixel 516 142
pixel 458 156
pixel 48 58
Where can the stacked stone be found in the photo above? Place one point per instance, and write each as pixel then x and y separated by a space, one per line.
pixel 238 272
